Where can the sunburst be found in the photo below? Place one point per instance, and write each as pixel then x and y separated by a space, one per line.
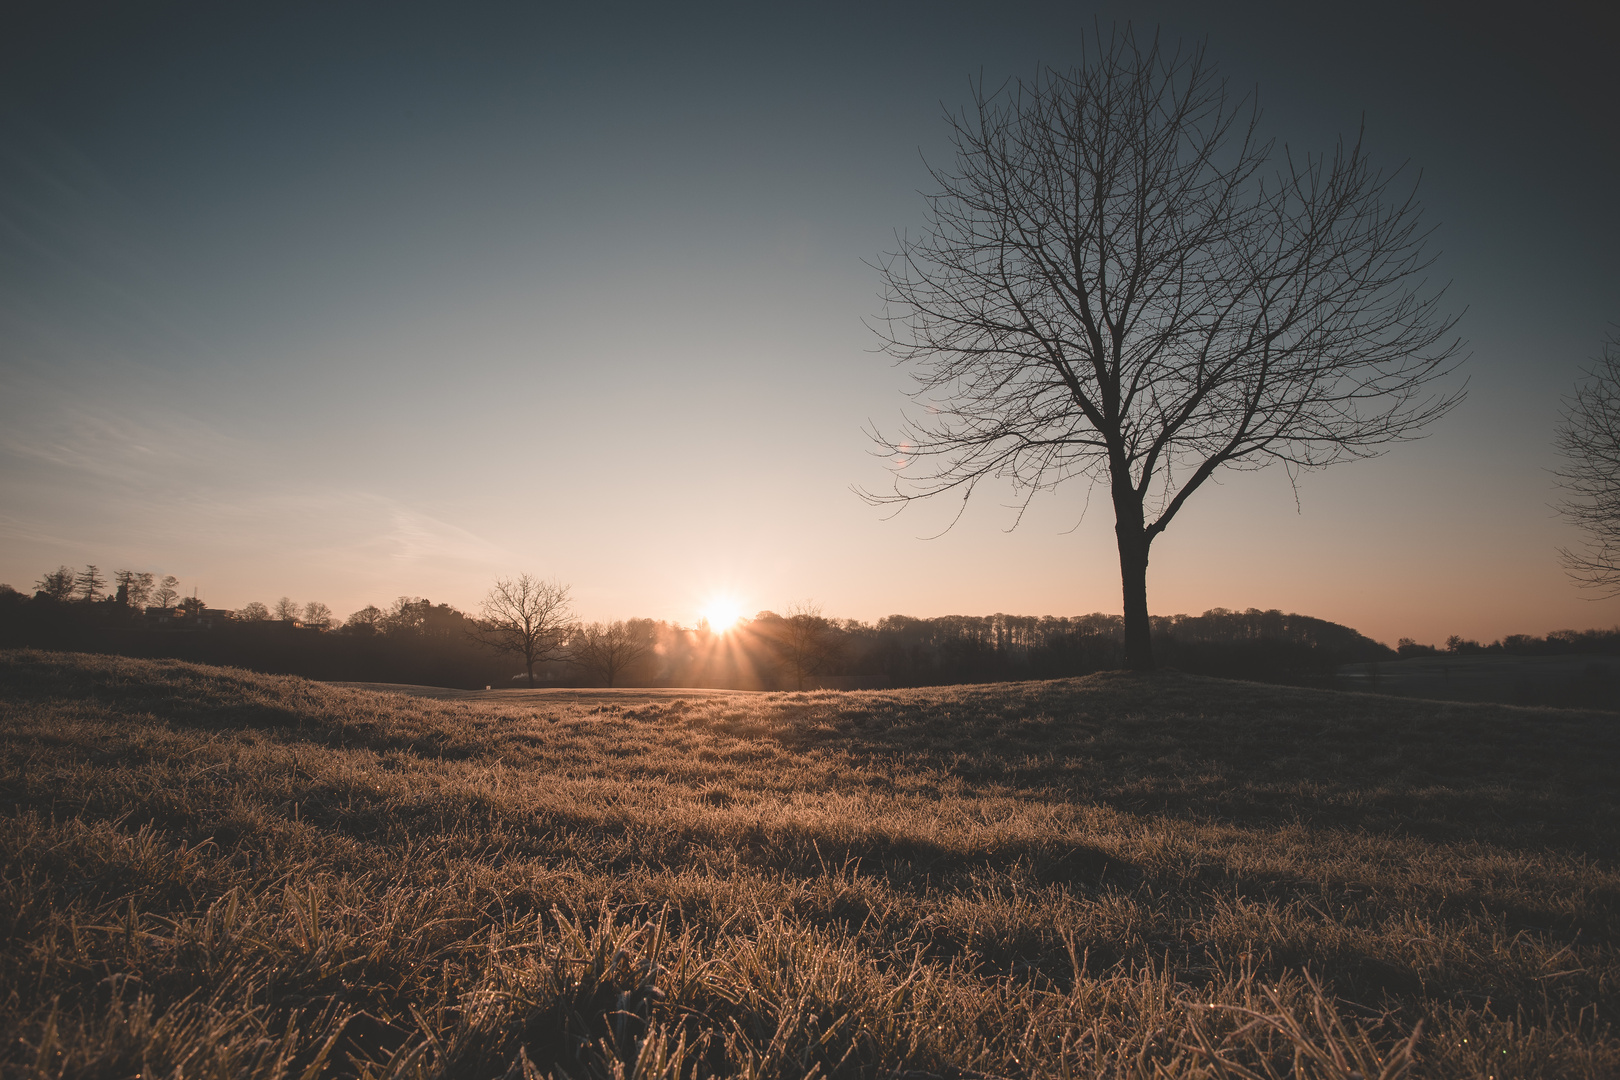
pixel 722 612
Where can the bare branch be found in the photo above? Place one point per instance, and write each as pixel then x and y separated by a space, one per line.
pixel 609 650
pixel 529 617
pixel 1121 282
pixel 1589 439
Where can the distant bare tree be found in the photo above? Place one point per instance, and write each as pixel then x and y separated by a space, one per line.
pixel 134 588
pixel 1121 282
pixel 368 619
pixel 90 583
pixel 253 611
pixel 58 584
pixel 318 615
pixel 527 616
pixel 167 592
pixel 407 616
pixel 287 610
pixel 609 650
pixel 808 641
pixel 1588 437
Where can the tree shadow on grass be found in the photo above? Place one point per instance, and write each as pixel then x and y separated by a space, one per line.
pixel 1249 754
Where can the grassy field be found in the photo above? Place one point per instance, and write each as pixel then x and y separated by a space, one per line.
pixel 1566 681
pixel 210 873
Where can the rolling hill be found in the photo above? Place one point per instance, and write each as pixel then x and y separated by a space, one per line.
pixel 213 873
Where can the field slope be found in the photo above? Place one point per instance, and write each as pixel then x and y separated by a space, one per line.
pixel 210 873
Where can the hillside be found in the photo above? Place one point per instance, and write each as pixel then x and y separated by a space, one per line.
pixel 220 874
pixel 1567 680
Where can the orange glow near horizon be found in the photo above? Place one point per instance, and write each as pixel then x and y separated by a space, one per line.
pixel 722 613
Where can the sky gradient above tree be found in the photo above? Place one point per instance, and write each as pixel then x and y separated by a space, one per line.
pixel 377 302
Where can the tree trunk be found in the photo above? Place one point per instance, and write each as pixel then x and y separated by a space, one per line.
pixel 1133 562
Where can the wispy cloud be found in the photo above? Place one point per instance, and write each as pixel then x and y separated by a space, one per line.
pixel 140 482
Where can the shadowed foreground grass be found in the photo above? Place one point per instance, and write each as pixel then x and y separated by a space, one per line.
pixel 209 873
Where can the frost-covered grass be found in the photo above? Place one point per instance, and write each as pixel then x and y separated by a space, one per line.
pixel 211 873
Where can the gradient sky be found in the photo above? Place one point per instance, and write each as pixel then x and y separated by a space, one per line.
pixel 344 302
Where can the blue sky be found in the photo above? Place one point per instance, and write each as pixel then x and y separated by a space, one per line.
pixel 345 303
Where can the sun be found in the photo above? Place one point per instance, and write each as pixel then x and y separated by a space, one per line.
pixel 722 613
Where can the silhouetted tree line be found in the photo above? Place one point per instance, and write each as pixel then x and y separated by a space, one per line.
pixel 1264 645
pixel 417 641
pixel 1557 643
pixel 414 641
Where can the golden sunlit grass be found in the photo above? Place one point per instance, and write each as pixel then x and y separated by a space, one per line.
pixel 211 873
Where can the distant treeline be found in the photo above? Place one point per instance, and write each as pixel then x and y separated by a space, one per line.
pixel 1557 643
pixel 417 641
pixel 423 643
pixel 1253 644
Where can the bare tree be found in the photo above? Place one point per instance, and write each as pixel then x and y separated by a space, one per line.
pixel 134 588
pixel 807 640
pixel 167 592
pixel 58 584
pixel 367 620
pixel 287 609
pixel 527 616
pixel 90 583
pixel 1589 439
pixel 609 650
pixel 408 616
pixel 318 615
pixel 1121 282
pixel 253 611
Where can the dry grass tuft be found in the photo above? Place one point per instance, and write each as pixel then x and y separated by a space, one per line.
pixel 210 873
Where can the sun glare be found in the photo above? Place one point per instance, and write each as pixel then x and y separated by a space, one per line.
pixel 722 613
